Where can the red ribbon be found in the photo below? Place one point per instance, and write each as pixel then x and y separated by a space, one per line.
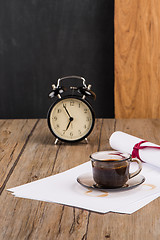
pixel 137 147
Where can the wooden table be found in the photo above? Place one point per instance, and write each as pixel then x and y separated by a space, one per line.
pixel 28 153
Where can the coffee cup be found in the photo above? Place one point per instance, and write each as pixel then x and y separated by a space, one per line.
pixel 111 168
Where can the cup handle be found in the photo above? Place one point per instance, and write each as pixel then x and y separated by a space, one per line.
pixel 131 175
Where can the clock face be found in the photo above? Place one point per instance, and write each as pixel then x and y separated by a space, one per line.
pixel 71 119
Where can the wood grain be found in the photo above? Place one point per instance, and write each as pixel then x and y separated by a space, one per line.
pixel 12 144
pixel 137 59
pixel 143 224
pixel 30 219
pixel 24 219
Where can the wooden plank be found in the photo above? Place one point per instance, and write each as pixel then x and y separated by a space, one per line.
pixel 108 127
pixel 137 61
pixel 71 222
pixel 24 219
pixel 80 232
pixel 21 217
pixel 14 135
pixel 143 224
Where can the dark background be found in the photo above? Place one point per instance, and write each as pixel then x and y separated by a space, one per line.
pixel 41 41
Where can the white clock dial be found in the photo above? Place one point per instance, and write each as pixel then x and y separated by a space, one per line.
pixel 71 119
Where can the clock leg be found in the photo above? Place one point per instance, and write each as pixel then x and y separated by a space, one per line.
pixel 56 141
pixel 86 140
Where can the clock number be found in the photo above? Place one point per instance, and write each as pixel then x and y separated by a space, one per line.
pixel 55 118
pixel 57 125
pixel 64 104
pixel 85 110
pixel 79 131
pixel 85 126
pixel 71 134
pixel 59 110
pixel 87 119
pixel 71 103
pixel 79 105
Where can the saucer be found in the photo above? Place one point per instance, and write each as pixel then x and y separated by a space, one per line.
pixel 86 180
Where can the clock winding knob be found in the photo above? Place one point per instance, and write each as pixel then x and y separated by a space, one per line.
pixel 56 91
pixel 87 92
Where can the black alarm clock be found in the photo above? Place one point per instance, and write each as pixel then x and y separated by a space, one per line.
pixel 71 117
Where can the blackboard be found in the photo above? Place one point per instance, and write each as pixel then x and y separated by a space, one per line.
pixel 41 41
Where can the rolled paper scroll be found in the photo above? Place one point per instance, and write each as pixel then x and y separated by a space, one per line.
pixel 124 142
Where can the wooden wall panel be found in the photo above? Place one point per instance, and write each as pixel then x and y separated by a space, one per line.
pixel 137 58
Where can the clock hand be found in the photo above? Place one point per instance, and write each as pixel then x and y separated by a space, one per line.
pixel 70 120
pixel 68 125
pixel 66 110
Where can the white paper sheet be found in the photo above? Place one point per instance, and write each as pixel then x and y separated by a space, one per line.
pixel 63 188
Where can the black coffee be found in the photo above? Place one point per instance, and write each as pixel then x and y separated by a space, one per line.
pixel 111 173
